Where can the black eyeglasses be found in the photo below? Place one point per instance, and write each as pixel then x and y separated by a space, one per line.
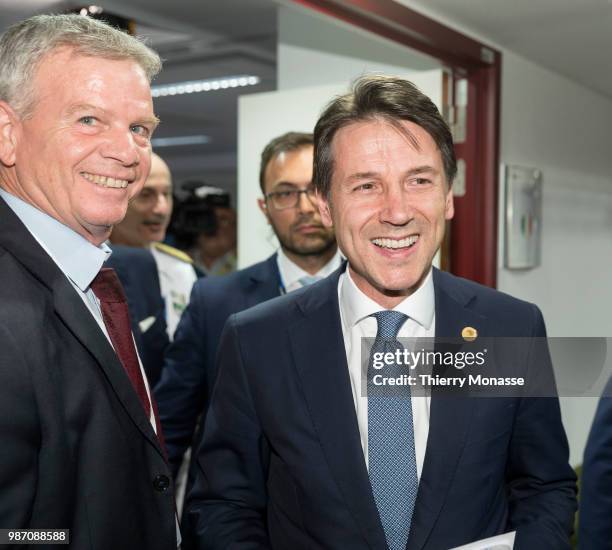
pixel 281 200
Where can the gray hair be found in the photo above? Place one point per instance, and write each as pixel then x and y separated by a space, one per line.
pixel 25 44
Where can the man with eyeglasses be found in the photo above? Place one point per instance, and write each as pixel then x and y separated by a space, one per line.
pixel 308 249
pixel 308 252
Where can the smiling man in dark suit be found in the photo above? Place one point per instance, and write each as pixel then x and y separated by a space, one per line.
pixel 80 447
pixel 294 455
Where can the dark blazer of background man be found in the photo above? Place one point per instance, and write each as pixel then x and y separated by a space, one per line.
pixel 281 463
pixel 78 450
pixel 306 246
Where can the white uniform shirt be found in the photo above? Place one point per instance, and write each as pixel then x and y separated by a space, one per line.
pixel 355 311
pixel 176 277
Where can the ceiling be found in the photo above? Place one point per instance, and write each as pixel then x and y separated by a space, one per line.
pixel 570 37
pixel 201 39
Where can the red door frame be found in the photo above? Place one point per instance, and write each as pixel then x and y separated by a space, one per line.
pixel 473 240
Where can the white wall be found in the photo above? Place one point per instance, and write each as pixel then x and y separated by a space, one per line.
pixel 556 125
pixel 314 49
pixel 562 128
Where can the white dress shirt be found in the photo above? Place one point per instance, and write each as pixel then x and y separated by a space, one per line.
pixel 355 315
pixel 291 273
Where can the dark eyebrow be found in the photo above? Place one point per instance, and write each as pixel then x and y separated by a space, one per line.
pixel 421 170
pixel 358 176
pixel 361 176
pixel 287 184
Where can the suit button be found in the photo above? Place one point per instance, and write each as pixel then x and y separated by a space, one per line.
pixel 161 483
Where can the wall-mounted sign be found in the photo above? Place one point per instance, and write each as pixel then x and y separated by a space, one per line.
pixel 523 217
pixel 459 181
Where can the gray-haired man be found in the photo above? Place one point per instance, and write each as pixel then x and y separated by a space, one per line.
pixel 80 447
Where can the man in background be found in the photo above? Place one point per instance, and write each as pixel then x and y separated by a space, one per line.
pixel 80 446
pixel 307 251
pixel 145 226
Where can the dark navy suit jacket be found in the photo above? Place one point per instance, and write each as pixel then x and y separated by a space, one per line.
pixel 189 371
pixel 78 451
pixel 137 271
pixel 281 466
pixel 595 526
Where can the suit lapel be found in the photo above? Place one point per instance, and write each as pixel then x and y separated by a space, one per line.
pixel 450 415
pixel 72 310
pixel 80 322
pixel 264 283
pixel 320 360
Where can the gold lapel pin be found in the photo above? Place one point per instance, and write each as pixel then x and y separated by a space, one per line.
pixel 469 334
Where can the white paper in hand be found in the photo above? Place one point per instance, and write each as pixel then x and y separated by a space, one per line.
pixel 500 542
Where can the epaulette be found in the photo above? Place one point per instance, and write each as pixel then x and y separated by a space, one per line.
pixel 174 252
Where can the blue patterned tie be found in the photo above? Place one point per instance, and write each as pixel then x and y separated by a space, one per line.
pixel 391 456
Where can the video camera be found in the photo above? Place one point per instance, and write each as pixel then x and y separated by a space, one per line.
pixel 194 214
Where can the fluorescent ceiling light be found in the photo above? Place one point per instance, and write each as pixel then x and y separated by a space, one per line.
pixel 191 86
pixel 205 190
pixel 92 10
pixel 180 140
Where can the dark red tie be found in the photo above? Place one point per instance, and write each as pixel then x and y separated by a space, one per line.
pixel 107 287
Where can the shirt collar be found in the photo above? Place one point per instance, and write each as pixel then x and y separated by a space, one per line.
pixel 356 306
pixel 78 259
pixel 292 273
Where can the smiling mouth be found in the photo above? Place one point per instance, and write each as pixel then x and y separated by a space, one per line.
pixel 395 244
pixel 105 181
